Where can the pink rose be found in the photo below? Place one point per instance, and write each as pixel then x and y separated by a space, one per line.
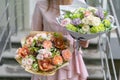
pixel 87 13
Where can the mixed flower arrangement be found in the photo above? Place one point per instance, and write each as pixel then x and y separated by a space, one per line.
pixel 44 52
pixel 86 20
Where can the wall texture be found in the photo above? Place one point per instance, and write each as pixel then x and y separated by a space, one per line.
pixel 21 16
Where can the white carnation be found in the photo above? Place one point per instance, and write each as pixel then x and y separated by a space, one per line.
pixel 24 61
pixel 29 61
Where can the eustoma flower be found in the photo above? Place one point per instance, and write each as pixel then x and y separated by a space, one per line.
pixel 76 21
pixel 66 21
pixel 100 13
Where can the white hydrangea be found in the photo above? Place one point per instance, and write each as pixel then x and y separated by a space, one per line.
pixel 91 20
pixel 96 21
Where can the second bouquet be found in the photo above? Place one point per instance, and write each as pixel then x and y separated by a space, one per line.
pixel 86 23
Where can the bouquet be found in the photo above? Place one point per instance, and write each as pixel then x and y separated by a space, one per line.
pixel 86 23
pixel 43 52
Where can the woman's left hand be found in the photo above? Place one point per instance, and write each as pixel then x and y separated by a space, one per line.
pixel 84 44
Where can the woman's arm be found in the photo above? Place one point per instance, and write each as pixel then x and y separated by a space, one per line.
pixel 83 43
pixel 37 19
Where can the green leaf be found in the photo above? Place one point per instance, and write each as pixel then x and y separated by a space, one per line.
pixel 33 43
pixel 71 27
pixel 32 57
pixel 106 23
pixel 105 13
pixel 54 52
pixel 35 66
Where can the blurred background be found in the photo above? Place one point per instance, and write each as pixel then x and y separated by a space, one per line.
pixel 102 57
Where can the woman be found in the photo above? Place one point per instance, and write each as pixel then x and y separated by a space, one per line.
pixel 44 18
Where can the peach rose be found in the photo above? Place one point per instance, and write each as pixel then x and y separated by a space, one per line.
pixel 47 44
pixel 57 60
pixel 60 43
pixel 23 51
pixel 66 54
pixel 45 65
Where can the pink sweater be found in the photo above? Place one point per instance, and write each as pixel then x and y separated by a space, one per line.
pixel 46 20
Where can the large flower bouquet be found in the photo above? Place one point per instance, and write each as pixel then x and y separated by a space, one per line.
pixel 43 52
pixel 86 23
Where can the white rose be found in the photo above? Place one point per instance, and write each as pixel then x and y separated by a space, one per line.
pixel 86 28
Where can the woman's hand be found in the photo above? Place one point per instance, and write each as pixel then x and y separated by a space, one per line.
pixel 84 44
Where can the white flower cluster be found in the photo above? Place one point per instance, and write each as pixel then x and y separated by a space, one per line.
pixel 27 63
pixel 91 20
pixel 43 35
pixel 43 53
